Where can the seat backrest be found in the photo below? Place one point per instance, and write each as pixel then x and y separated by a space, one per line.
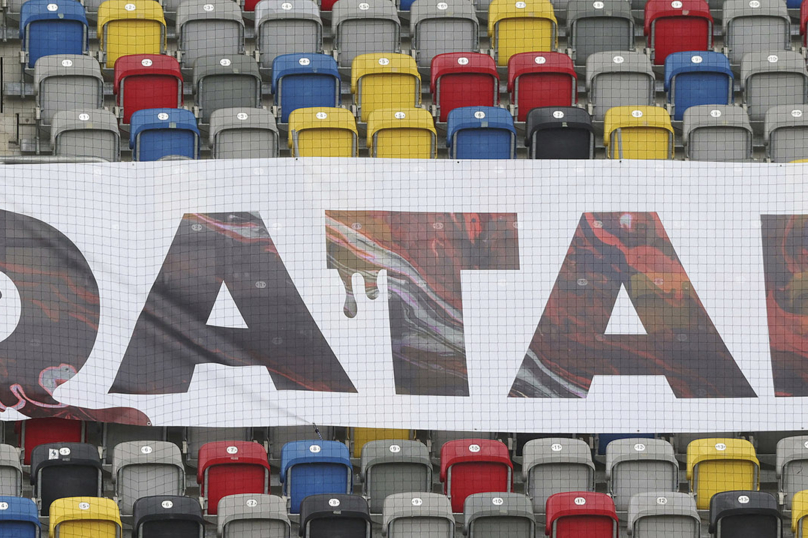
pixel 773 78
pixel 481 133
pixel 10 472
pixel 363 27
pixel 755 25
pixel 284 434
pixel 67 82
pixel 147 81
pixel 61 470
pixel 720 464
pixel 506 515
pixel 37 431
pixel 640 465
pixel 83 517
pixel 196 437
pixel 601 26
pixel 697 78
pixel 312 467
pixel 632 132
pixel 243 133
pixel 521 26
pixel 744 514
pixel 469 466
pixel 406 133
pixel 679 26
pixel 327 515
pixel 167 516
pixel 322 132
pixel 284 28
pixel 619 79
pixel 463 79
pixel 116 434
pixel 18 517
pixel 417 514
pixel 250 514
pixel 162 132
pixel 581 513
pixel 361 436
pixel 226 82
pixel 86 133
pixel 541 79
pixel 659 513
pixel 384 81
pixel 130 27
pixel 443 27
pixel 394 466
pixel 792 466
pixel 198 20
pixel 719 133
pixel 553 465
pixel 52 27
pixel 145 468
pixel 230 467
pixel 786 133
pixel 560 133
pixel 305 81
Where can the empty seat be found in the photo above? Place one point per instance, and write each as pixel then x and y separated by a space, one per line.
pixel 364 27
pixel 481 133
pixel 85 517
pixel 196 437
pixel 10 472
pixel 253 516
pixel 504 515
pixel 334 515
pixel 130 27
pixel 443 27
pixel 521 26
pixel 116 434
pixel 229 82
pixel 145 468
pixel 638 133
pixel 18 518
pixel 323 132
pixel 231 467
pixel 463 79
pixel 67 82
pixel 772 79
pixel 439 438
pixel 799 511
pixel 61 470
pixel 469 466
pixel 581 513
pixel 599 26
pixel 639 466
pixel 697 78
pixel 560 133
pixel 281 435
pixel 286 27
pixel 619 79
pixel 243 133
pixel 555 465
pixel 304 81
pixel 163 132
pixel 209 28
pixel 313 467
pixel 716 465
pixel 602 440
pixel 361 436
pixel 410 515
pixel 717 133
pixel 663 515
pixel 168 516
pixel 792 467
pixel 394 466
pixel 52 27
pixel 36 431
pixel 755 25
pixel 407 133
pixel 745 514
pixel 145 81
pixel 86 133
pixel 677 26
pixel 786 133
pixel 384 81
pixel 541 80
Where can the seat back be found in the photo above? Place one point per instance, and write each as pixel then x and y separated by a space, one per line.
pixel 167 516
pixel 792 467
pixel 679 26
pixel 773 79
pixel 638 466
pixel 541 80
pixel 619 79
pixel 417 514
pixel 394 466
pixel 287 28
pixel 554 465
pixel 720 133
pixel 443 27
pixel 248 515
pixel 18 518
pixel 130 27
pixel 407 133
pixel 226 82
pixel 516 27
pixel 560 133
pixel 755 25
pixel 335 515
pixel 469 466
pixel 145 81
pixel 744 514
pixel 163 132
pixel 231 467
pixel 243 133
pixel 305 81
pixel 481 133
pixel 638 133
pixel 85 517
pixel 672 515
pixel 599 27
pixel 697 78
pixel 463 79
pixel 505 515
pixel 67 82
pixel 10 472
pixel 45 30
pixel 284 434
pixel 196 437
pixel 146 468
pixel 381 81
pixel 199 20
pixel 786 133
pixel 60 470
pixel 322 132
pixel 362 436
pixel 364 27
pixel 86 133
pixel 313 467
pixel 116 434
pixel 720 464
pixel 581 513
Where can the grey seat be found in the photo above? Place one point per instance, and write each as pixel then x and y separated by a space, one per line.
pixel 599 26
pixel 417 515
pixel 364 27
pixel 226 82
pixel 618 79
pixel 115 434
pixel 439 27
pixel 786 133
pixel 10 472
pixel 556 465
pixel 209 28
pixel 638 466
pixel 286 434
pixel 86 133
pixel 719 133
pixel 663 515
pixel 504 515
pixel 755 25
pixel 243 133
pixel 67 82
pixel 196 437
pixel 287 27
pixel 253 516
pixel 146 468
pixel 770 79
pixel 792 468
pixel 394 466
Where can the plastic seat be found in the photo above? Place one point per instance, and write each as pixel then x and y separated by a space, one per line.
pixel 581 513
pixel 67 82
pixel 144 81
pixel 638 133
pixel 167 516
pixel 770 79
pixel 409 515
pixel 718 133
pixel 285 434
pixel 745 514
pixel 799 510
pixel 791 467
pixel 469 466
pixel 362 436
pixel 599 26
pixel 463 79
pixel 231 467
pixel 407 133
pixel 716 465
pixel 231 82
pixel 556 465
pixel 209 28
pixel 504 515
pixel 248 515
pixel 243 133
pixel 677 26
pixel 786 133
pixel 560 133
pixel 668 515
pixel 334 515
pixel 10 472
pixel 45 31
pixel 363 27
pixel 162 132
pixel 130 27
pixel 18 518
pixel 287 28
pixel 754 26
pixel 304 81
pixel 639 466
pixel 394 466
pixel 323 132
pixel 145 468
pixel 521 26
pixel 85 517
pixel 314 467
pixel 381 81
pixel 196 437
pixel 481 133
pixel 61 470
pixel 541 80
pixel 697 78
pixel 86 133
pixel 619 79
pixel 442 28
pixel 36 431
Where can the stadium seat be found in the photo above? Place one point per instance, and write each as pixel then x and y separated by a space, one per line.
pixel 639 466
pixel 167 516
pixel 438 438
pixel 209 28
pixel 443 27
pixel 326 5
pixel 410 515
pixel 145 468
pixel 697 78
pixel 469 466
pixel 286 27
pixel 313 467
pixel 792 468
pixel 521 26
pixel 116 434
pixel 18 518
pixel 359 437
pixel 163 132
pixel 37 431
pixel 10 472
pixel 52 27
pixel 323 132
pixel 769 80
pixel 463 79
pixel 599 26
pixel 754 26
pixel 560 133
pixel 504 515
pixel 194 438
pixel 384 81
pixel 669 515
pixel 786 133
pixel 394 466
pixel 61 470
pixel 481 133
pixel 677 26
pixel 407 133
pixel 304 81
pixel 745 514
pixel 619 79
pixel 249 515
pixel 716 465
pixel 638 133
pixel 718 133
pixel 363 27
pixel 603 440
pixel 230 82
pixel 804 24
pixel 581 513
pixel 67 82
pixel 130 27
pixel 334 515
pixel 541 80
pixel 85 517
pixel 231 467
pixel 145 81
pixel 799 511
pixel 86 133
pixel 281 435
pixel 243 133
pixel 556 465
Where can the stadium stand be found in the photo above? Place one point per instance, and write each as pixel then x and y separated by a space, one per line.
pixel 417 514
pixel 745 514
pixel 697 78
pixel 327 515
pixel 443 28
pixel 663 514
pixel 162 132
pixel 10 472
pixel 463 79
pixel 469 466
pixel 145 468
pixel 786 133
pixel 505 515
pixel 481 133
pixel 130 27
pixel 541 80
pixel 639 465
pixel 556 465
pixel 229 468
pixel 167 516
pixel 304 81
pixel 677 26
pixel 52 27
pixel 638 133
pixel 616 79
pixel 581 513
pixel 600 26
pixel 406 133
pixel 521 26
pixel 85 517
pixel 67 82
pixel 18 518
pixel 314 467
pixel 380 81
pixel 287 28
pixel 769 80
pixel 253 515
pixel 60 470
pixel 86 133
pixel 323 132
pixel 717 465
pixel 230 82
pixel 243 133
pixel 365 27
pixel 394 466
pixel 718 133
pixel 209 28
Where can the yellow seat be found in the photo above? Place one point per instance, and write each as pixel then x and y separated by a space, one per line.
pixel 130 27
pixel 384 80
pixel 323 132
pixel 84 517
pixel 799 509
pixel 516 26
pixel 638 132
pixel 407 133
pixel 363 436
pixel 799 161
pixel 716 465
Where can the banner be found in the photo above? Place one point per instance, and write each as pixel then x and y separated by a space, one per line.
pixel 508 296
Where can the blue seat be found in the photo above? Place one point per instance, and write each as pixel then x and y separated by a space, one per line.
pixel 697 78
pixel 163 132
pixel 18 517
pixel 605 438
pixel 52 27
pixel 480 132
pixel 304 81
pixel 313 467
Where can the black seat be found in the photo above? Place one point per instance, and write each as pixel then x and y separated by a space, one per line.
pixel 560 133
pixel 745 514
pixel 334 516
pixel 60 470
pixel 167 516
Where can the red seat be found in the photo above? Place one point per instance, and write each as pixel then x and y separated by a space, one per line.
pixel 804 23
pixel 677 26
pixel 229 468
pixel 463 79
pixel 38 431
pixel 538 79
pixel 327 5
pixel 581 514
pixel 145 81
pixel 469 466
